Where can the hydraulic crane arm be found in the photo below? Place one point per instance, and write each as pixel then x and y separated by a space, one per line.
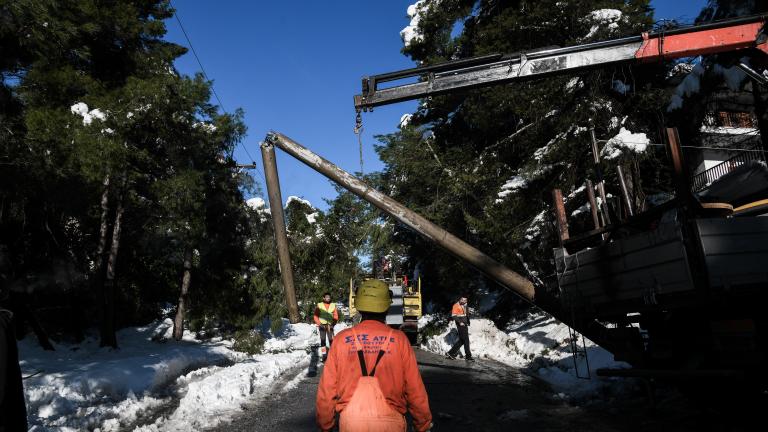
pixel 719 37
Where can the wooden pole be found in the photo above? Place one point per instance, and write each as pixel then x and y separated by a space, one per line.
pixel 281 238
pixel 624 191
pixel 492 268
pixel 682 179
pixel 593 204
pixel 600 182
pixel 560 216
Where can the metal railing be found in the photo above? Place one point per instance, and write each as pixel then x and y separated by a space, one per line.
pixel 705 178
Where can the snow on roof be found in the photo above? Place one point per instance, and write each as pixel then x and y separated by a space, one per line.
pixel 295 198
pixel 625 141
pixel 600 18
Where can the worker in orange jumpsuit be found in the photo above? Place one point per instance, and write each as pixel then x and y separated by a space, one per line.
pixel 461 318
pixel 326 316
pixel 371 377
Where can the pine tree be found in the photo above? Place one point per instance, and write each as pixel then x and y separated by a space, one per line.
pixel 482 163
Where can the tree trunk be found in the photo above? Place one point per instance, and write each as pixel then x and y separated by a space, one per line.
pixel 178 322
pixel 104 227
pixel 108 337
pixel 97 285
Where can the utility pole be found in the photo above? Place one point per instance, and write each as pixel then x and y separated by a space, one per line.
pixel 418 223
pixel 281 238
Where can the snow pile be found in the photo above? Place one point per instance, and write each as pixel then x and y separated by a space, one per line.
pixel 411 33
pixel 216 393
pixel 540 344
pixel 295 337
pixel 625 142
pixel 84 387
pixel 601 18
pixel 81 109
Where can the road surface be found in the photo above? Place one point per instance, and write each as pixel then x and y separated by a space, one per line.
pixel 481 396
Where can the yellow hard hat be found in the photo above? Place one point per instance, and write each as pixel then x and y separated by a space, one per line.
pixel 372 296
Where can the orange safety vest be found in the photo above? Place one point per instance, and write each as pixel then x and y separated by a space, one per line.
pixel 458 310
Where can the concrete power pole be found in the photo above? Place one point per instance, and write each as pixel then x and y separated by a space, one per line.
pixel 281 238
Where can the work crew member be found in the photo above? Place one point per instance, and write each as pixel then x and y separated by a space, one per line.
pixel 371 377
pixel 461 318
pixel 326 316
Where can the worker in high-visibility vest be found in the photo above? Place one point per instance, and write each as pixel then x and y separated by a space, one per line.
pixel 461 318
pixel 371 377
pixel 326 316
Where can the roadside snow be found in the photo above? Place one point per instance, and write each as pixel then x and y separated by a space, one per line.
pixel 540 344
pixel 84 387
pixel 625 142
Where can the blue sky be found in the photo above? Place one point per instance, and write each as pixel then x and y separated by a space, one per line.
pixel 293 66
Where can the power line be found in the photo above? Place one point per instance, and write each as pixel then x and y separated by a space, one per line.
pixel 213 90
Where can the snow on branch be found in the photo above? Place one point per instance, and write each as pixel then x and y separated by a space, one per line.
pixel 625 142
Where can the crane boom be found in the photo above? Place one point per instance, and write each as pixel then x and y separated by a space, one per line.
pixel 719 37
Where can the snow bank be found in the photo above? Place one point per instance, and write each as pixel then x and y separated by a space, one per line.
pixel 217 393
pixel 625 142
pixel 84 387
pixel 540 344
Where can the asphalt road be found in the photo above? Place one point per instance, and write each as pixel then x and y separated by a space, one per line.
pixel 481 396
